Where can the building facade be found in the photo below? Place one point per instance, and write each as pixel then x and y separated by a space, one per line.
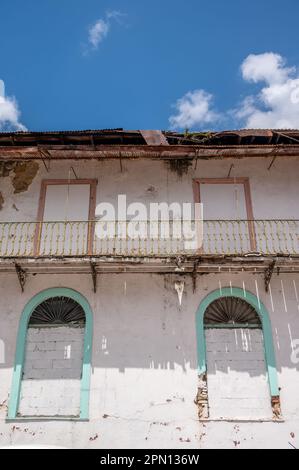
pixel 142 341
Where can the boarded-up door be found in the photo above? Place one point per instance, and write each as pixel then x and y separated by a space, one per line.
pixel 65 228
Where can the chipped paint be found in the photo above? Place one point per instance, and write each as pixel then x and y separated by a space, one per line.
pixel 276 409
pixel 201 399
pixel 24 173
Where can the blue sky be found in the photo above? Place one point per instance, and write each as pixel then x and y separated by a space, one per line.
pixel 72 64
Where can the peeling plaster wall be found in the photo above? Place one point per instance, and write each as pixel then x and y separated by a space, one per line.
pixel 16 179
pixel 274 193
pixel 144 364
pixel 24 173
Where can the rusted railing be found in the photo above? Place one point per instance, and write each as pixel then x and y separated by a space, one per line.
pixel 77 238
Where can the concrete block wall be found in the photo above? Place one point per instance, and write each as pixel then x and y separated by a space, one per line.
pixel 144 364
pixel 52 371
pixel 237 376
pixel 144 357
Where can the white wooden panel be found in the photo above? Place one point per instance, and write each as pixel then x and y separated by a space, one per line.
pixel 69 203
pixel 237 378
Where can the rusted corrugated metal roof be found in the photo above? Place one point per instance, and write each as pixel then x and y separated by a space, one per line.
pixel 154 144
pixel 119 136
pixel 154 137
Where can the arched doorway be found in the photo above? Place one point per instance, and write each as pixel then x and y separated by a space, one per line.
pixel 53 357
pixel 236 361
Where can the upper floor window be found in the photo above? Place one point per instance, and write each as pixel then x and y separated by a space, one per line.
pixel 65 215
pixel 228 215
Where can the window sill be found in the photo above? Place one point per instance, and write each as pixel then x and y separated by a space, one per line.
pixel 241 420
pixel 44 418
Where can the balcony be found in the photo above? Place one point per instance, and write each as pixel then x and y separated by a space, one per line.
pixel 76 247
pixel 77 239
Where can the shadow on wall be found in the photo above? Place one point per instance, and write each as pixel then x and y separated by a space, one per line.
pixel 138 323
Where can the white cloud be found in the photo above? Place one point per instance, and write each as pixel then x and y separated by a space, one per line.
pixel 97 32
pixel 9 112
pixel 100 29
pixel 268 67
pixel 115 15
pixel 194 109
pixel 275 105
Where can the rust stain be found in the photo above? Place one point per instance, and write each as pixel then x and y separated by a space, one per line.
pixel 201 399
pixel 185 440
pixel 3 405
pixel 276 409
pixel 6 168
pixel 180 167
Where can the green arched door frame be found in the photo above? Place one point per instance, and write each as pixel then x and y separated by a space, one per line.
pixel 266 325
pixel 21 344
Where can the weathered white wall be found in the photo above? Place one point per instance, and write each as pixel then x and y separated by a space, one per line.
pixel 52 372
pixel 275 192
pixel 144 364
pixel 237 377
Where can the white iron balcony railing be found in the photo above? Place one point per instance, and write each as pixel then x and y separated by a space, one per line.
pixel 78 238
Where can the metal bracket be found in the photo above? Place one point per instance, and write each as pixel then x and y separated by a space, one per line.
pixel 230 170
pixel 44 153
pixel 268 275
pixel 179 261
pixel 72 168
pixel 120 162
pixel 22 276
pixel 194 275
pixel 94 276
pixel 272 161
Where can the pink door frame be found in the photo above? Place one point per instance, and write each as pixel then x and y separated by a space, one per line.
pixel 248 201
pixel 91 210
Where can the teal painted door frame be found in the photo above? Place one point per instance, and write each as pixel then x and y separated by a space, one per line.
pixel 266 326
pixel 21 346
